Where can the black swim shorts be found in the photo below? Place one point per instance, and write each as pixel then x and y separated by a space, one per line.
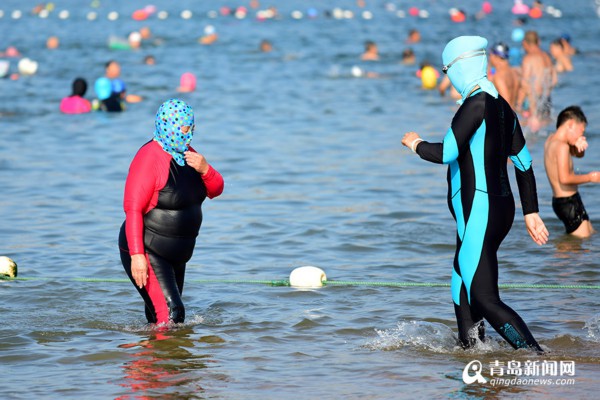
pixel 570 211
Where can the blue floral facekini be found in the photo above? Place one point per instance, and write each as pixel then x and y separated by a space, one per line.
pixel 172 115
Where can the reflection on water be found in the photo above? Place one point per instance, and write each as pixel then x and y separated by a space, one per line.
pixel 167 359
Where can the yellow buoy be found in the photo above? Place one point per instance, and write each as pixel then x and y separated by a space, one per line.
pixel 428 77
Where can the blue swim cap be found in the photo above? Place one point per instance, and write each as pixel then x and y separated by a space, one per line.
pixel 103 88
pixel 118 86
pixel 566 36
pixel 465 62
pixel 500 49
pixel 517 35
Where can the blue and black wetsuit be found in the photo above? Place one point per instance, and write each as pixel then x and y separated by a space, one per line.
pixel 484 133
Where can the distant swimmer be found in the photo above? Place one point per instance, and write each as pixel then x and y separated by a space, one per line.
pixel 76 103
pixel 568 140
pixel 414 36
pixel 562 60
pixel 52 42
pixel 107 99
pixel 484 133
pixel 443 87
pixel 210 36
pixel 167 183
pixel 112 71
pixel 408 56
pixel 506 79
pixel 537 80
pixel 187 82
pixel 371 52
pixel 265 46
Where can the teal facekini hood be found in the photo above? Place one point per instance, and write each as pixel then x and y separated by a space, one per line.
pixel 171 116
pixel 466 60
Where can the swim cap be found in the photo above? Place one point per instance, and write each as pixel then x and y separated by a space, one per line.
pixel 187 82
pixel 517 35
pixel 103 88
pixel 135 37
pixel 501 50
pixel 466 61
pixel 209 30
pixel 170 117
pixel 79 87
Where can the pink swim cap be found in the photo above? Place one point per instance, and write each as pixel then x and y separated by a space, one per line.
pixel 187 82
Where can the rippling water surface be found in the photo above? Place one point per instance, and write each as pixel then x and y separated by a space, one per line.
pixel 315 175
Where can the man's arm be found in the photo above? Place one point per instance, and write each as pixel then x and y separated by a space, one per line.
pixel 566 175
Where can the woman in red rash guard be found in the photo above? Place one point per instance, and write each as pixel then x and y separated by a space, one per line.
pixel 165 188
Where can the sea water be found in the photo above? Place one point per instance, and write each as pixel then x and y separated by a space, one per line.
pixel 315 175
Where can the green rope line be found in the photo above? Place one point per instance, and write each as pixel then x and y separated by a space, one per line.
pixel 286 282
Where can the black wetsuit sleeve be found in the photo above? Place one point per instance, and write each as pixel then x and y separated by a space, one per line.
pixel 524 171
pixel 465 123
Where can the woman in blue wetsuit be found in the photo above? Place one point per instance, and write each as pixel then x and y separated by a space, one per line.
pixel 484 133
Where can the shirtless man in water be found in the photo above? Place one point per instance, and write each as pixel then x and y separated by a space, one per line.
pixel 505 78
pixel 567 141
pixel 538 79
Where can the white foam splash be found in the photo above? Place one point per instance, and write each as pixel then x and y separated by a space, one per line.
pixel 593 327
pixel 430 336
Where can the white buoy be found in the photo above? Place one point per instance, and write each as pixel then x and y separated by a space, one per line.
pixel 64 14
pixel 8 267
pixel 27 66
pixel 16 14
pixel 307 277
pixel 113 16
pixel 44 13
pixel 186 14
pixel 92 15
pixel 162 15
pixel 356 71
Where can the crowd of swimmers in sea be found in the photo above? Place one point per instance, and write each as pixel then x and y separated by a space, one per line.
pixel 522 71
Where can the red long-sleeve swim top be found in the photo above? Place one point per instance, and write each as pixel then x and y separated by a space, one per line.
pixel 148 175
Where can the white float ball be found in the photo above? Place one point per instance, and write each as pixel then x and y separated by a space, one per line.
pixel 162 15
pixel 307 277
pixel 113 16
pixel 8 267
